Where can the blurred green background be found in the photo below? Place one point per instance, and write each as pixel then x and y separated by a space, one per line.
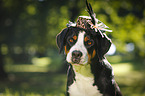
pixel 29 61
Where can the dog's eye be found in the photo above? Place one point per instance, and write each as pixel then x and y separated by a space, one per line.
pixel 71 40
pixel 89 43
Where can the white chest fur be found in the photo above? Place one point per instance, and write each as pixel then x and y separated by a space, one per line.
pixel 83 86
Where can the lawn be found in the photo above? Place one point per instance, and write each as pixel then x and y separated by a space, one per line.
pixel 34 84
pixel 42 83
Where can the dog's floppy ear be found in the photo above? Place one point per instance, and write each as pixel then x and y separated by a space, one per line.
pixel 60 39
pixel 104 45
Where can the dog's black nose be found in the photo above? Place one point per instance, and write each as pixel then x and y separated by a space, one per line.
pixel 76 54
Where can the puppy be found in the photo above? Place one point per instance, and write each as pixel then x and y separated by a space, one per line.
pixel 89 73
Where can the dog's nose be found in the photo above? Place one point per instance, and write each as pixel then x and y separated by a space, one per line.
pixel 76 54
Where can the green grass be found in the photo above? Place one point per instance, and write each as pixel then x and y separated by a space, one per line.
pixel 33 84
pixel 25 82
pixel 131 81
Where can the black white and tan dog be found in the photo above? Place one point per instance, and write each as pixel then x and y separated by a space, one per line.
pixel 85 44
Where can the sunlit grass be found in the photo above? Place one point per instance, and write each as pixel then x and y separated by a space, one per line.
pixel 43 61
pixel 122 68
pixel 43 64
pixel 131 81
pixel 25 68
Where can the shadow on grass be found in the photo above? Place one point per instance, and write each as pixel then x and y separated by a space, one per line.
pixel 32 84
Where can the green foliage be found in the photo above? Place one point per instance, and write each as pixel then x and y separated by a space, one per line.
pixel 36 23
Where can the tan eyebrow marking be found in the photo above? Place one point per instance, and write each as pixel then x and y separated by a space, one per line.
pixel 86 39
pixel 75 37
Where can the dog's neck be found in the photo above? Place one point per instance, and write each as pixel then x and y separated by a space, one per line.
pixel 84 70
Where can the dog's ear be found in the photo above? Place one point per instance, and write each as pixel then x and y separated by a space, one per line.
pixel 104 45
pixel 60 39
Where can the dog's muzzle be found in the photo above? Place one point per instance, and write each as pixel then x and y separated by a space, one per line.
pixel 76 56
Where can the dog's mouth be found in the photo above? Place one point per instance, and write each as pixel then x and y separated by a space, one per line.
pixel 75 60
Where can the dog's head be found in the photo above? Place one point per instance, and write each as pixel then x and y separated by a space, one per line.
pixel 82 45
pixel 84 40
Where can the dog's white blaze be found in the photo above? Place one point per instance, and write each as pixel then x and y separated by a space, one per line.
pixel 83 86
pixel 79 46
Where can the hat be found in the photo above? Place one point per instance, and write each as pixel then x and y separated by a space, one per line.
pixel 90 22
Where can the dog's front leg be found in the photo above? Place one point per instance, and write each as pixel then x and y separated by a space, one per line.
pixel 70 78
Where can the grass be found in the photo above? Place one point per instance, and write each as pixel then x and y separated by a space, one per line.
pixel 131 81
pixel 31 80
pixel 33 84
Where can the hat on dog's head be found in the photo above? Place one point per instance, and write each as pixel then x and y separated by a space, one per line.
pixel 83 22
pixel 90 22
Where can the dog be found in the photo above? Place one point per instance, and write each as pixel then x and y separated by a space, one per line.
pixel 89 72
